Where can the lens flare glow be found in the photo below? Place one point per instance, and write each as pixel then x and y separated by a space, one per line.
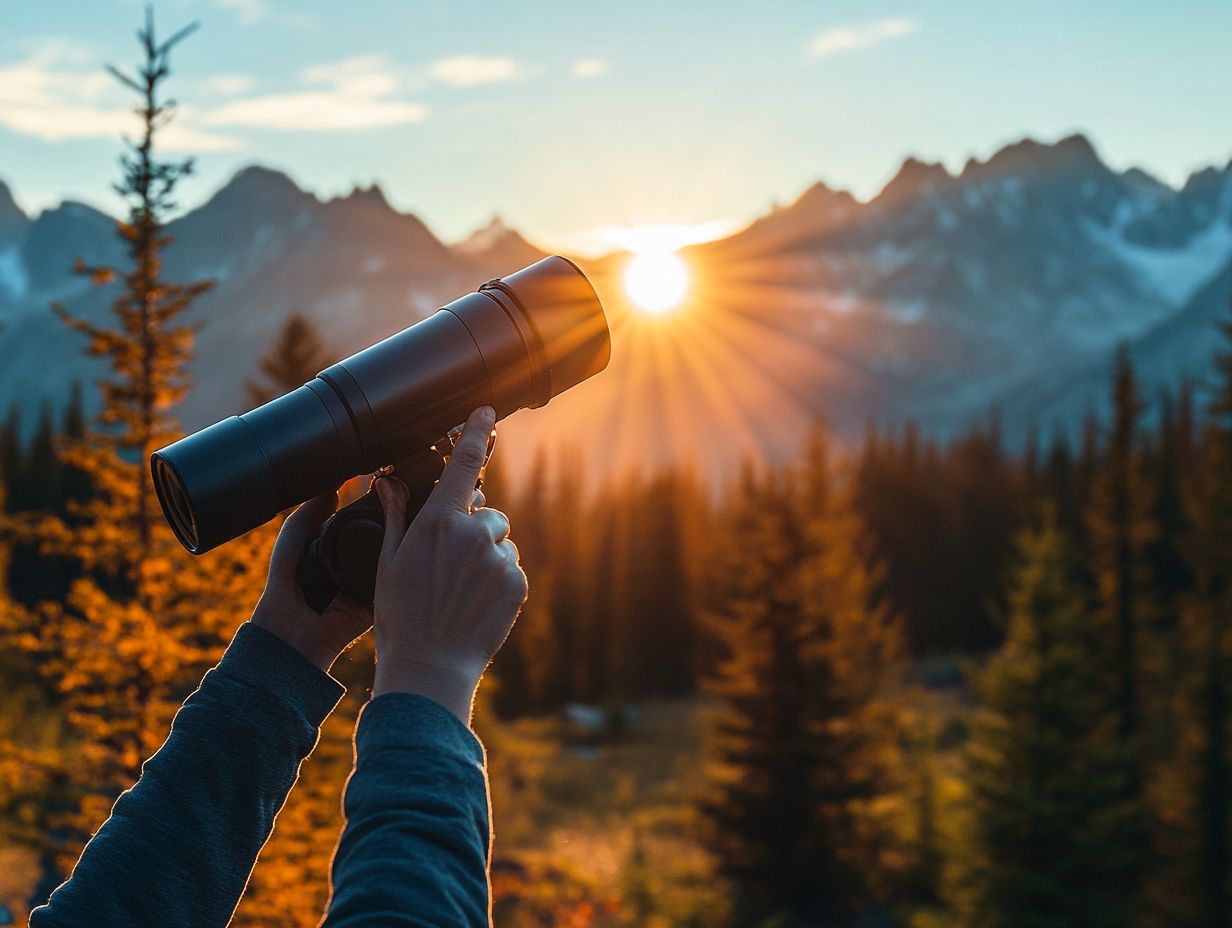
pixel 656 281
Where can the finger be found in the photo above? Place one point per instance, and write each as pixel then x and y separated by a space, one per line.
pixel 300 528
pixel 457 483
pixel 496 523
pixel 510 550
pixel 354 612
pixel 478 500
pixel 392 493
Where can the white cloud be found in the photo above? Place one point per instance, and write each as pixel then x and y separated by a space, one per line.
pixel 366 76
pixel 469 70
pixel 51 97
pixel 314 110
pixel 249 11
pixel 43 98
pixel 864 35
pixel 590 67
pixel 181 136
pixel 229 85
pixel 357 94
pixel 252 12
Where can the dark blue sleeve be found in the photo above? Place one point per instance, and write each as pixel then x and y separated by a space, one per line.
pixel 414 851
pixel 179 846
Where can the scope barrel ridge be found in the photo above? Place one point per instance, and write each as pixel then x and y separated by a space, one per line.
pixel 516 342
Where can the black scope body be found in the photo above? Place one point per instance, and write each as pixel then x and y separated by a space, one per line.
pixel 516 342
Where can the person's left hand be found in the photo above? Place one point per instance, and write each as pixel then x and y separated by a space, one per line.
pixel 283 610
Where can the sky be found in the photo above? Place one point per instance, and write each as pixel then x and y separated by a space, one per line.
pixel 575 121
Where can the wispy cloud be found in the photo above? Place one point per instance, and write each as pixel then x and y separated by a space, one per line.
pixel 357 93
pixel 590 67
pixel 228 85
pixel 51 97
pixel 854 38
pixel 250 12
pixel 470 70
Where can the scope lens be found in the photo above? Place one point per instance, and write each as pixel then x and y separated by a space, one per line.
pixel 175 504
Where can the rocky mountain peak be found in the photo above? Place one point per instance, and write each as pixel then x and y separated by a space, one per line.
pixel 10 212
pixel 498 247
pixel 370 197
pixel 486 237
pixel 822 196
pixel 914 177
pixel 258 189
pixel 1030 157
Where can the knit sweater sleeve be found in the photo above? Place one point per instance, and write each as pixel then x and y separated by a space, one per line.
pixel 415 848
pixel 179 845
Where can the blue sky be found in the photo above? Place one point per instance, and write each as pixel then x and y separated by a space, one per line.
pixel 570 119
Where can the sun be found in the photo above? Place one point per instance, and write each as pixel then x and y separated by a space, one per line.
pixel 656 281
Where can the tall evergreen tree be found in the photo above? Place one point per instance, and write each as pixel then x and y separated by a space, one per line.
pixel 1121 527
pixel 1057 838
pixel 297 355
pixel 1206 687
pixel 142 619
pixel 528 665
pixel 801 753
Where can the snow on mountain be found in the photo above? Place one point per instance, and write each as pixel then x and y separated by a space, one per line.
pixel 967 286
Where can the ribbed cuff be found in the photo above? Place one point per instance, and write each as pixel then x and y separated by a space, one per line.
pixel 409 720
pixel 262 660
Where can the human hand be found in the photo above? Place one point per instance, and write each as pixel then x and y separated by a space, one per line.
pixel 449 587
pixel 283 610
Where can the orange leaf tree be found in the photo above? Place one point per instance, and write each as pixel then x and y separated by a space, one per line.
pixel 142 619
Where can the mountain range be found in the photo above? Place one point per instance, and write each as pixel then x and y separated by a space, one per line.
pixel 1004 287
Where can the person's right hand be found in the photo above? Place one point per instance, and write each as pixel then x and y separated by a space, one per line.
pixel 449 587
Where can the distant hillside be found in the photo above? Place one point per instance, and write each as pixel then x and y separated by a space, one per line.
pixel 1005 286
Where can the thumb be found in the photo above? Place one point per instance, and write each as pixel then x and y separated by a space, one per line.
pixel 393 495
pixel 298 530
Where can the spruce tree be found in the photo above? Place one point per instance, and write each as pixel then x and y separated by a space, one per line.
pixel 297 355
pixel 1057 837
pixel 1121 527
pixel 527 667
pixel 802 751
pixel 1205 790
pixel 142 619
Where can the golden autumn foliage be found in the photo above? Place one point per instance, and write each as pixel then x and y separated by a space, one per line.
pixel 142 620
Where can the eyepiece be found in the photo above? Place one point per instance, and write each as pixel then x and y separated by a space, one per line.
pixel 515 343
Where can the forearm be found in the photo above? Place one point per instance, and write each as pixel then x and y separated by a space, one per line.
pixel 415 848
pixel 179 846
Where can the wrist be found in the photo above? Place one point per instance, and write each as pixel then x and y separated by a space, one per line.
pixel 309 646
pixel 448 685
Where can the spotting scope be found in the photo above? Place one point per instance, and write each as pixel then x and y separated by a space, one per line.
pixel 516 342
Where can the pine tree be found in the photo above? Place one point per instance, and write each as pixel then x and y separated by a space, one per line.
pixel 297 355
pixel 12 460
pixel 528 664
pixel 1204 796
pixel 1121 527
pixel 41 483
pixel 803 749
pixel 1057 837
pixel 142 619
pixel 569 556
